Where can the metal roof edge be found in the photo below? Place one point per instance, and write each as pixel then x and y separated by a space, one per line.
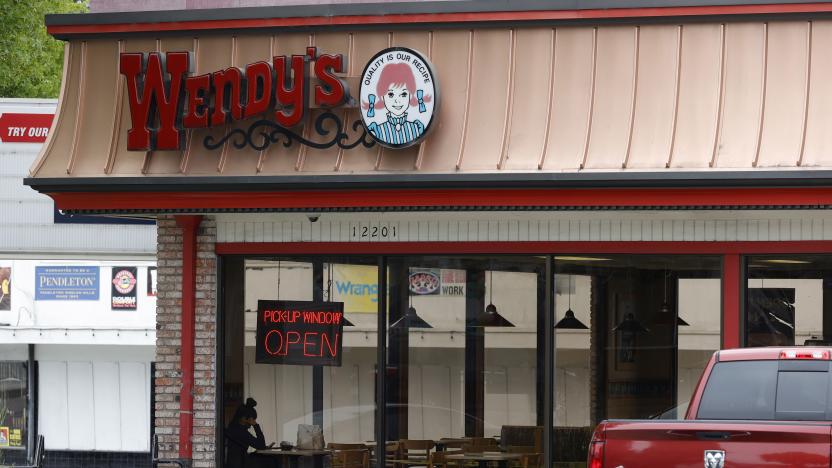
pixel 387 8
pixel 620 179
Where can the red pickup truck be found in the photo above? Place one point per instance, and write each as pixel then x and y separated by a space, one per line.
pixel 755 407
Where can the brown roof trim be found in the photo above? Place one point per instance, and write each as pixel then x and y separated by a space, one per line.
pixel 414 14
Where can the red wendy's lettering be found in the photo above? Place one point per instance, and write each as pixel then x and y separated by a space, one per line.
pixel 228 104
pixel 290 89
pixel 197 88
pixel 164 99
pixel 299 332
pixel 331 93
pixel 161 93
pixel 260 79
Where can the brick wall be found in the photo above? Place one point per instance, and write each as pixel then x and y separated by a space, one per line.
pixel 168 378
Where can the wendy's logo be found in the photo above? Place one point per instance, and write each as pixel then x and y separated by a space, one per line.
pixel 399 97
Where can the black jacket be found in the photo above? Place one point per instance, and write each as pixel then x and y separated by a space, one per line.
pixel 238 440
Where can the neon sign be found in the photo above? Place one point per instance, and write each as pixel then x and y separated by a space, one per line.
pixel 305 333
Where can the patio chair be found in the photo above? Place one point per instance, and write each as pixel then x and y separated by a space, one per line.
pixel 351 458
pixel 413 453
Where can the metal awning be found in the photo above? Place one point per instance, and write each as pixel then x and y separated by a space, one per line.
pixel 730 100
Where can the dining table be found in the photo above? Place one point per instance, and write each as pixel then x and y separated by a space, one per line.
pixel 293 458
pixel 484 458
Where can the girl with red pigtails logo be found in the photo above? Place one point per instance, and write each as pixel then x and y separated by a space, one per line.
pixel 394 110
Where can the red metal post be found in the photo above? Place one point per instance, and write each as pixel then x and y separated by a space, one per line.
pixel 731 277
pixel 189 225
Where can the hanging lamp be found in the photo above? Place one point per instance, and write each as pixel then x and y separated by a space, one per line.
pixel 410 319
pixel 569 321
pixel 665 316
pixel 490 317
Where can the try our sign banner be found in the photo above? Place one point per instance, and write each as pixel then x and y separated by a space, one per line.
pixel 304 333
pixel 24 128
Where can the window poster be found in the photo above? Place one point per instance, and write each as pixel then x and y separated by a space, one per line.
pixel 66 283
pixel 152 275
pixel 5 288
pixel 424 281
pixel 356 286
pixel 124 288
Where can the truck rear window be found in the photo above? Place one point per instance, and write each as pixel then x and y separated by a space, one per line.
pixel 766 390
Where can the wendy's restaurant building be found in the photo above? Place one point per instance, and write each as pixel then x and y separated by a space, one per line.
pixel 526 214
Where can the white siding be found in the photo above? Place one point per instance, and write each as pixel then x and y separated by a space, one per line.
pixel 28 215
pixel 94 405
pixel 53 404
pixel 706 226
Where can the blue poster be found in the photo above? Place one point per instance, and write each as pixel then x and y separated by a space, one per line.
pixel 66 283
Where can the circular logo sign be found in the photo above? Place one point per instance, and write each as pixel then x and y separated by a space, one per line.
pixel 124 281
pixel 399 97
pixel 424 282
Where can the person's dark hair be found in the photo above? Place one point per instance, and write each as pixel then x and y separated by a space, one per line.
pixel 246 410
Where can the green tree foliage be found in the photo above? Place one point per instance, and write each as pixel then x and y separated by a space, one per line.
pixel 31 61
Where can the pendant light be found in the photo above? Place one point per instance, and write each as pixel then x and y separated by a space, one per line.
pixel 490 317
pixel 569 321
pixel 410 319
pixel 665 315
pixel 347 322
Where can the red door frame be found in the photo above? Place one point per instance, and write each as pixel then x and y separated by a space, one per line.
pixel 731 253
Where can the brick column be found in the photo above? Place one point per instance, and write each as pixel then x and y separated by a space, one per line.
pixel 168 378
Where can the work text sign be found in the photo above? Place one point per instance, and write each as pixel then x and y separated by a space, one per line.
pixel 305 333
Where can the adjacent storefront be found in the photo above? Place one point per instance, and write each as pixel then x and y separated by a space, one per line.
pixel 452 221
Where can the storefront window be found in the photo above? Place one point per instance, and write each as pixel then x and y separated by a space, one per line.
pixel 464 357
pixel 788 300
pixel 465 340
pixel 338 397
pixel 13 405
pixel 654 322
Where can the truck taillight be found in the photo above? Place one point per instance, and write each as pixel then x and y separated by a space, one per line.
pixel 595 457
pixel 822 355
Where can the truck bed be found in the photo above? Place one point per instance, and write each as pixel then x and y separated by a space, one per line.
pixel 740 444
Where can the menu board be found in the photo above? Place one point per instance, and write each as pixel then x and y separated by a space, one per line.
pixel 303 333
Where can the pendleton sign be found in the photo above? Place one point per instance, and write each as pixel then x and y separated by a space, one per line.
pixel 398 99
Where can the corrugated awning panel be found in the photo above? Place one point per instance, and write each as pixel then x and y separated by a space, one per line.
pixel 709 96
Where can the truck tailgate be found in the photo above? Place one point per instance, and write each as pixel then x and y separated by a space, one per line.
pixel 668 444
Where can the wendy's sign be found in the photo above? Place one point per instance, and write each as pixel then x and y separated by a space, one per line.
pixel 398 90
pixel 398 97
pixel 305 333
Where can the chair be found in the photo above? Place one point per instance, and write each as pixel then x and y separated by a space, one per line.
pixel 38 456
pixel 391 452
pixel 484 444
pixel 439 458
pixel 451 443
pixel 340 446
pixel 413 453
pixel 156 461
pixel 522 436
pixel 351 458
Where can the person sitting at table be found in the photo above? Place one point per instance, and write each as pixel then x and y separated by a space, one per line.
pixel 240 437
